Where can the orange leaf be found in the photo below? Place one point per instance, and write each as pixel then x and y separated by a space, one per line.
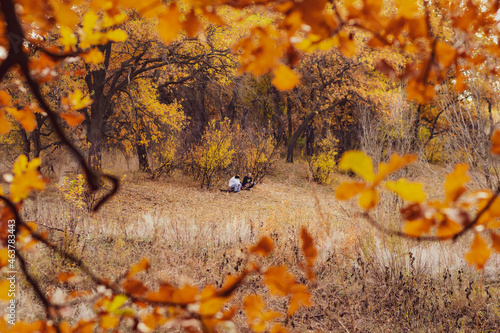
pixel 191 25
pixel 25 117
pixel 210 303
pixel 263 247
pixel 164 294
pixel 134 287
pixel 257 318
pixel 4 290
pixel 66 277
pixel 143 265
pixel 448 229
pixel 455 181
pixel 300 297
pixel 395 163
pixel 109 322
pixel 73 119
pixel 495 142
pixel 479 252
pixel 495 238
pixel 309 250
pixel 169 25
pixel 279 280
pixel 418 227
pixel 4 123
pixel 4 257
pixel 348 190
pixel 445 53
pixel 284 78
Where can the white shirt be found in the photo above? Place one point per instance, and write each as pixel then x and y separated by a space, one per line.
pixel 233 181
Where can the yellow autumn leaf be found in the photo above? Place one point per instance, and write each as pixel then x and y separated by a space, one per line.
pixel 68 38
pixel 26 178
pixel 109 322
pixel 408 8
pixel 348 190
pixel 369 198
pixel 395 163
pixel 409 191
pixel 169 23
pixel 116 35
pixel 479 252
pixel 358 162
pixel 284 78
pixel 77 100
pixel 94 56
pixel 417 227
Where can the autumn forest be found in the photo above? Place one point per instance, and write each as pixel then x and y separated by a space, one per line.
pixel 366 134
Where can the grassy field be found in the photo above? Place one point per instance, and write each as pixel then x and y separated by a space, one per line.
pixel 366 281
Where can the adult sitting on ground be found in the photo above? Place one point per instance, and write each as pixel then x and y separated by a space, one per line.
pixel 234 184
pixel 247 182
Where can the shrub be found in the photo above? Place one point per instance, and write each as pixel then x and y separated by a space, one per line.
pixel 323 161
pixel 214 153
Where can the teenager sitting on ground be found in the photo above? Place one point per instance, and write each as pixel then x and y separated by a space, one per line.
pixel 247 182
pixel 234 184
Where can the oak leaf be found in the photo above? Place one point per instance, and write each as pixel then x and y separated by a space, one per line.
pixel 409 191
pixel 73 119
pixel 263 247
pixel 455 181
pixel 495 142
pixel 310 252
pixel 495 238
pixel 284 78
pixel 169 23
pixel 143 265
pixel 479 252
pixel 347 191
pixel 257 318
pixel 358 162
pixel 416 228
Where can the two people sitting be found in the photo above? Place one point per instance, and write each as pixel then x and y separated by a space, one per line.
pixel 236 186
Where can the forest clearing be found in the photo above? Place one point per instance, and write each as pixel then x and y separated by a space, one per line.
pixel 132 132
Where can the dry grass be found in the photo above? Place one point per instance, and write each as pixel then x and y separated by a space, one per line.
pixel 366 281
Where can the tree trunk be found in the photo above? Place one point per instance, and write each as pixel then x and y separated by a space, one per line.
pixel 35 137
pixel 143 156
pixel 95 139
pixel 296 135
pixel 26 143
pixel 310 140
pixel 289 116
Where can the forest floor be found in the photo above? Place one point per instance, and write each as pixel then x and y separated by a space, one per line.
pixel 366 281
